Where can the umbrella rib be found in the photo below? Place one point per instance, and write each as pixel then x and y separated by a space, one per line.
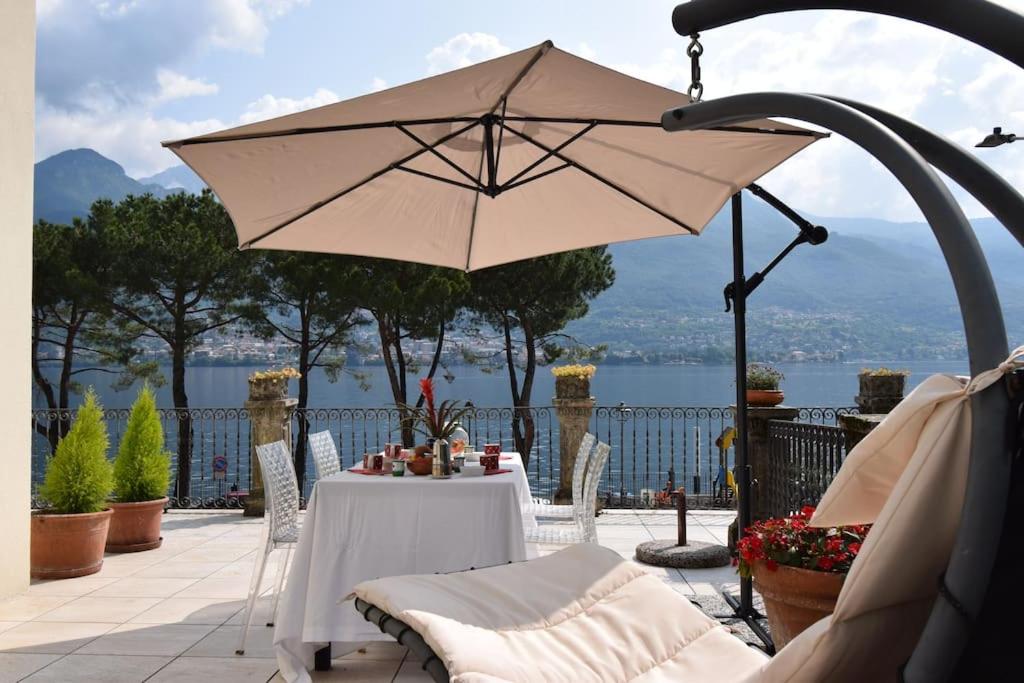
pixel 437 177
pixel 340 128
pixel 345 191
pixel 510 186
pixel 542 50
pixel 651 124
pixel 511 181
pixel 440 156
pixel 601 179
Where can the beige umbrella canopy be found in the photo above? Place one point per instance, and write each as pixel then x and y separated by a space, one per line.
pixel 528 154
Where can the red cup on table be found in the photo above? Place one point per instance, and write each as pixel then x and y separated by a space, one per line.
pixel 378 462
pixel 492 449
pixel 366 460
pixel 490 462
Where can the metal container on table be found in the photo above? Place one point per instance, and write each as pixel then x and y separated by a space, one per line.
pixel 442 459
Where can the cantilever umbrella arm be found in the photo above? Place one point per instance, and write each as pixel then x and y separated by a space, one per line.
pixel 992 438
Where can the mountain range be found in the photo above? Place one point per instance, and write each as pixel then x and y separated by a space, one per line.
pixel 874 289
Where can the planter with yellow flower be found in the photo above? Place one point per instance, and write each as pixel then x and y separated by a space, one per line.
pixel 573 381
pixel 574 406
pixel 269 385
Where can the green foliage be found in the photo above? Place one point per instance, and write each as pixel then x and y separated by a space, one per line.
pixel 763 377
pixel 142 469
pixel 882 372
pixel 78 477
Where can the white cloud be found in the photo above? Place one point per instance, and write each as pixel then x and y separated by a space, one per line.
pixel 463 50
pixel 585 51
pixel 268 106
pixel 176 86
pixel 378 84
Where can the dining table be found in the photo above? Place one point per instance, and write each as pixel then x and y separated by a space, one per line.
pixel 360 526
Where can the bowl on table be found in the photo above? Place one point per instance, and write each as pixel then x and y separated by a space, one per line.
pixel 420 466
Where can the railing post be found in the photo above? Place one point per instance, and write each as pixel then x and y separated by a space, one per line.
pixel 757 452
pixel 270 421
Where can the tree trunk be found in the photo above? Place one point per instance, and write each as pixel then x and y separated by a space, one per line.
pixel 183 484
pixel 525 437
pixel 301 436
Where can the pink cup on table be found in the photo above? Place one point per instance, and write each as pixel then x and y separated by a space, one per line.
pixel 492 448
pixel 490 462
pixel 378 462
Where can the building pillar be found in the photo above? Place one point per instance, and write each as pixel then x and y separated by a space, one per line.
pixel 270 420
pixel 573 420
pixel 856 427
pixel 757 450
pixel 17 121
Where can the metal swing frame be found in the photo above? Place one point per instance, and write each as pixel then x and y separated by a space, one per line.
pixel 908 151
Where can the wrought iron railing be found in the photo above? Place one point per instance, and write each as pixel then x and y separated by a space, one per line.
pixel 802 461
pixel 653 448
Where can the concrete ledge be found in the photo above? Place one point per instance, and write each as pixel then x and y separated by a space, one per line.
pixel 693 555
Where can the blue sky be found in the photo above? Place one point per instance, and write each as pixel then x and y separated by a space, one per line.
pixel 121 75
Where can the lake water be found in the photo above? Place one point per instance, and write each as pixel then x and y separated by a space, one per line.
pixel 806 384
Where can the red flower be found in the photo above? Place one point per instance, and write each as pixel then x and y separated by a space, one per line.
pixel 772 565
pixel 854 548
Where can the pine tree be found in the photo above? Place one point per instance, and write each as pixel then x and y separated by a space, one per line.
pixel 142 470
pixel 79 477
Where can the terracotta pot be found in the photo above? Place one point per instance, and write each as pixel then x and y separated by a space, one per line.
pixel 764 398
pixel 135 526
pixel 795 598
pixel 65 546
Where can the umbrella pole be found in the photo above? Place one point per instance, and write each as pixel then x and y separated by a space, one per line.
pixel 744 607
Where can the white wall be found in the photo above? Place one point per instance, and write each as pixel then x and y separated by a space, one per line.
pixel 17 97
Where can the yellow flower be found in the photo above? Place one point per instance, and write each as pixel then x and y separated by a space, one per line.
pixel 274 375
pixel 575 371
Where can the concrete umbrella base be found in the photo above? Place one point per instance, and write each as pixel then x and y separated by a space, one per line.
pixel 693 555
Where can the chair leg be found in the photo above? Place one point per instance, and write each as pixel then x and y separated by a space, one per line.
pixel 279 583
pixel 254 589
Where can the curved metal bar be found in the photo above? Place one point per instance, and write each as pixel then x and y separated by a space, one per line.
pixel 966 170
pixel 979 21
pixel 405 635
pixel 977 541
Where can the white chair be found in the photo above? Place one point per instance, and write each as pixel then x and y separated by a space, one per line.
pixel 542 507
pixel 280 525
pixel 325 454
pixel 584 528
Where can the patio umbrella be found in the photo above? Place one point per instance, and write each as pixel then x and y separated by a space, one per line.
pixel 528 154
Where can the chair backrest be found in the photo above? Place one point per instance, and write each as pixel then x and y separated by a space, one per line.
pixel 580 468
pixel 593 477
pixel 325 454
pixel 281 488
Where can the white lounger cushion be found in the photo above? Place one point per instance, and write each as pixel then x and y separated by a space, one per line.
pixel 582 614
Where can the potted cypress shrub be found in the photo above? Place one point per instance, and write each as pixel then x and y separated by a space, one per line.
pixel 798 569
pixel 142 472
pixel 67 539
pixel 763 385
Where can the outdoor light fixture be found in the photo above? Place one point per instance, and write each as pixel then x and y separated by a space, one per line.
pixel 996 138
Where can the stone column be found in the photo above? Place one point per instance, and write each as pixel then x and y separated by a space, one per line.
pixel 573 420
pixel 757 449
pixel 856 427
pixel 270 420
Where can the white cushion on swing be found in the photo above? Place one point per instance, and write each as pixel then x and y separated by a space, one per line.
pixel 581 614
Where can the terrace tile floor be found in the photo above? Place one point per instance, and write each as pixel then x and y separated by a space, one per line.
pixel 174 613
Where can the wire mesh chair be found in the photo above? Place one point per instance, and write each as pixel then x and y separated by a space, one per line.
pixel 584 528
pixel 542 507
pixel 325 454
pixel 280 526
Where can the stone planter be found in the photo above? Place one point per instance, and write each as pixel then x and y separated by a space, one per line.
pixel 267 389
pixel 764 398
pixel 66 546
pixel 135 526
pixel 572 387
pixel 795 598
pixel 879 394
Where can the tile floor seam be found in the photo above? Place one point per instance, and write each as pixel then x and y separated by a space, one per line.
pixel 166 664
pixel 44 666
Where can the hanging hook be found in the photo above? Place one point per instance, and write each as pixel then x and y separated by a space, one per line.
pixel 694 50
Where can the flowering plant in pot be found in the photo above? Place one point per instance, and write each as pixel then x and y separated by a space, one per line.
pixel 68 537
pixel 798 569
pixel 433 420
pixel 763 385
pixel 573 381
pixel 142 472
pixel 271 384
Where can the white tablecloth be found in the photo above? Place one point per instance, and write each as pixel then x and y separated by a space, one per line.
pixel 359 527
